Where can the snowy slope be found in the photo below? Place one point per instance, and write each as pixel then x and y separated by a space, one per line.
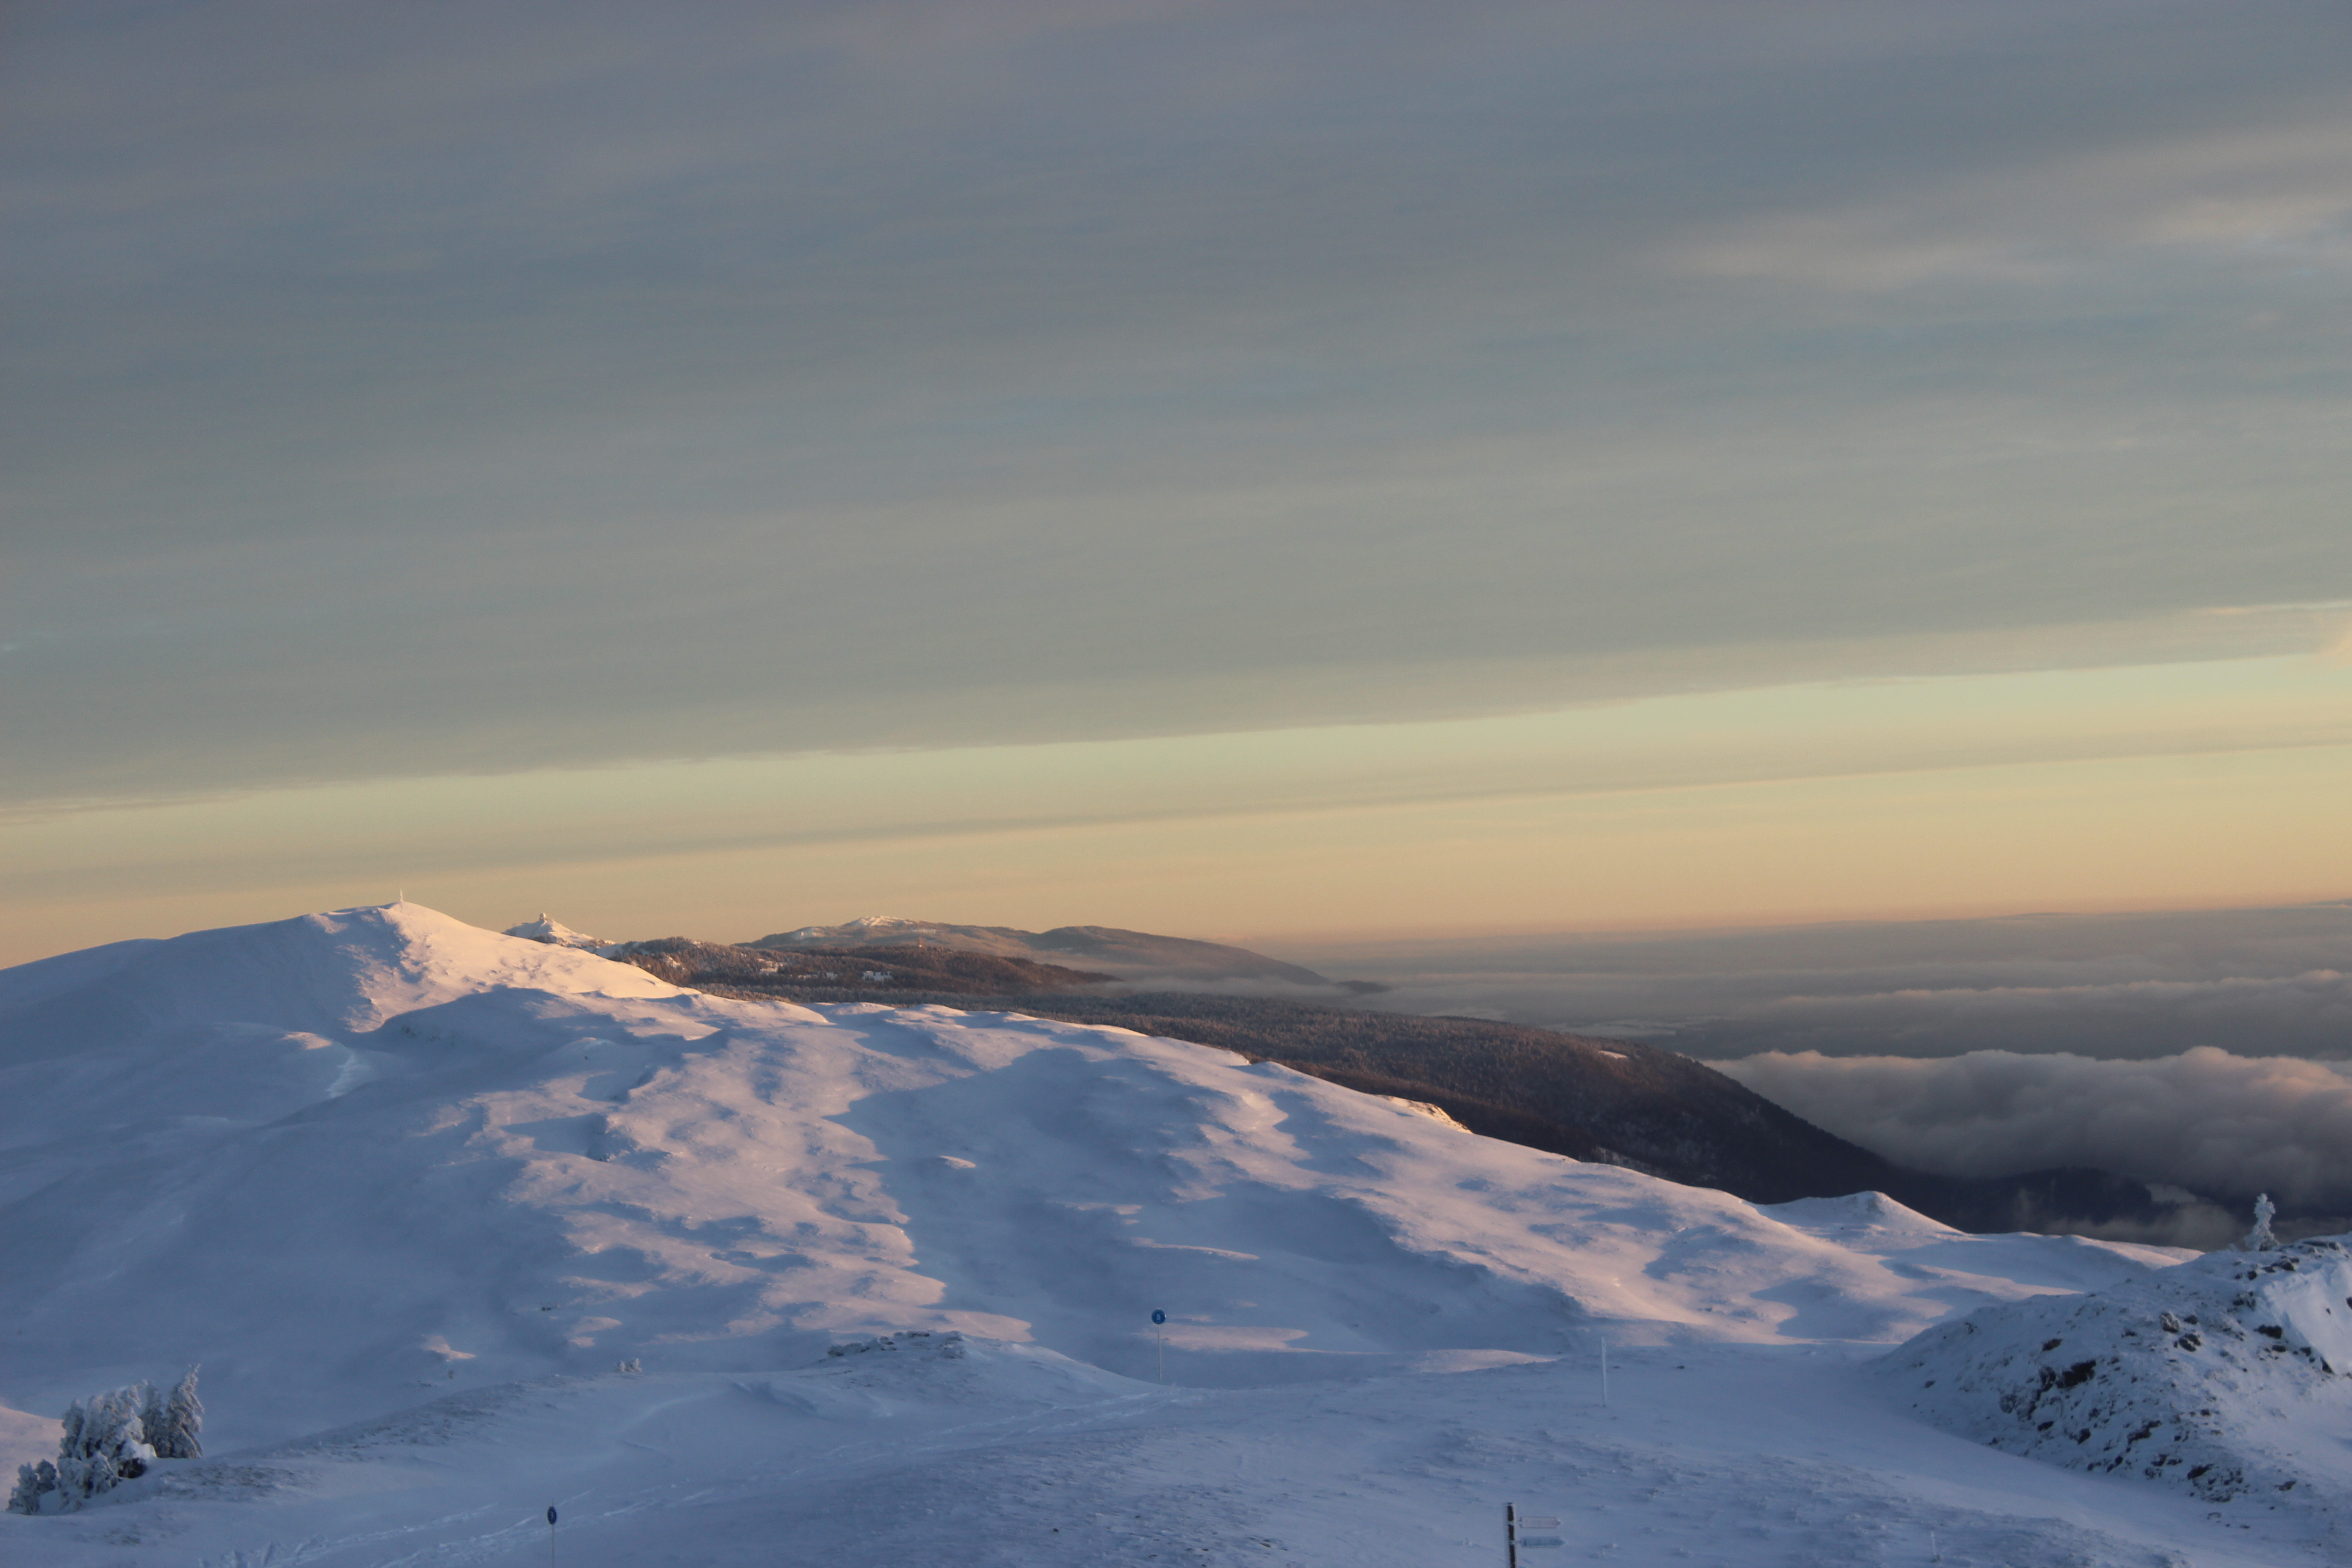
pixel 381 1172
pixel 2228 1377
pixel 1012 1456
pixel 387 1147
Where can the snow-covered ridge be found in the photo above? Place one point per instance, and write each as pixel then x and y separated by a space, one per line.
pixel 2220 1376
pixel 407 1149
pixel 460 1223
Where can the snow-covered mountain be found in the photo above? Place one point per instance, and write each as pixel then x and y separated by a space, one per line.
pixel 1620 1101
pixel 410 1191
pixel 555 933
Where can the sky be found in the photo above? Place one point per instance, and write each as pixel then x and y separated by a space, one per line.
pixel 1293 472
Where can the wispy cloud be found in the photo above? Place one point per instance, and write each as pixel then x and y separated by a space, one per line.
pixel 503 376
pixel 2270 198
pixel 527 390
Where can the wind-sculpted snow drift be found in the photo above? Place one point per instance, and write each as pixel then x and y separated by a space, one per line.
pixel 417 1190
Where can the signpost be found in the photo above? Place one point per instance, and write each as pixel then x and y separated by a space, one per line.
pixel 1160 1340
pixel 1515 1542
pixel 550 1535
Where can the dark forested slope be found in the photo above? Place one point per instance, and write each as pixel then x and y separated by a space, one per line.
pixel 1613 1100
pixel 847 974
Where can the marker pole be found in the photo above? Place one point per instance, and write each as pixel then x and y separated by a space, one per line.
pixel 1604 1374
pixel 550 1535
pixel 1514 1525
pixel 1160 1340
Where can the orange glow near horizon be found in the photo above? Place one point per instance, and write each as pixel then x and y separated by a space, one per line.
pixel 1864 800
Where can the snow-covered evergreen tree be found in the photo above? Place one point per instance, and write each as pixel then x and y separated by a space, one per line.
pixel 151 1417
pixel 33 1483
pixel 184 1423
pixel 109 1438
pixel 2259 1238
pixel 101 1447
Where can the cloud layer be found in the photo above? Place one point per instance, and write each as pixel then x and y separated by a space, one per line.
pixel 2209 1050
pixel 2255 982
pixel 2205 1120
pixel 412 410
pixel 487 388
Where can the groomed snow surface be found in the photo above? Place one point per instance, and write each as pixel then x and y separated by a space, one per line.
pixel 410 1191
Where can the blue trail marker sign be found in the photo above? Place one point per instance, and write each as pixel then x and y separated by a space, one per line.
pixel 1160 1340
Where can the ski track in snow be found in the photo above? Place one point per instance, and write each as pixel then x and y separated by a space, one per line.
pixel 409 1190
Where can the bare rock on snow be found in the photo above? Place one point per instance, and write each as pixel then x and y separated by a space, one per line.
pixel 2215 1377
pixel 947 1346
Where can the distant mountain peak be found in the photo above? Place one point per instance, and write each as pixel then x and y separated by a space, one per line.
pixel 1136 957
pixel 555 933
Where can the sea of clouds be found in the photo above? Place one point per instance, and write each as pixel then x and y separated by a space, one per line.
pixel 2205 1120
pixel 2208 1050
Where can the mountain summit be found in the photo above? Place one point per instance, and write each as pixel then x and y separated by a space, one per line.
pixel 459 1224
pixel 555 933
pixel 365 1149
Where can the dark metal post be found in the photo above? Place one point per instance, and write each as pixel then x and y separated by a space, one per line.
pixel 1510 1535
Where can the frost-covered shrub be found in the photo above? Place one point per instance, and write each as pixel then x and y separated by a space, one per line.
pixel 102 1446
pixel 109 1439
pixel 180 1433
pixel 151 1417
pixel 2259 1238
pixel 33 1484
